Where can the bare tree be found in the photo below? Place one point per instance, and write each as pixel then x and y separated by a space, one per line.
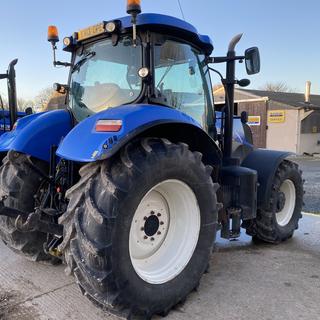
pixel 276 87
pixel 3 101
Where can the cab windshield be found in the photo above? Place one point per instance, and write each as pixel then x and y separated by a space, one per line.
pixel 104 76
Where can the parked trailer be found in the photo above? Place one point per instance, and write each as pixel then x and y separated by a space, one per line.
pixel 130 184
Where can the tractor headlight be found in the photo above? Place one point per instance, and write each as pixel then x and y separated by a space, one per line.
pixel 67 41
pixel 111 27
pixel 143 72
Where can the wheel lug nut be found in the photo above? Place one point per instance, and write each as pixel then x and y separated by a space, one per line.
pixel 159 232
pixel 142 229
pixel 145 218
pixel 162 223
pixel 152 212
pixel 152 239
pixel 145 237
pixel 159 214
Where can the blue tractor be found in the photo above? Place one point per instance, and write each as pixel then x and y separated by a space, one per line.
pixel 129 185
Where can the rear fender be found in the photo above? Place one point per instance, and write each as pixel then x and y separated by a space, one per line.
pixel 35 134
pixel 84 144
pixel 266 163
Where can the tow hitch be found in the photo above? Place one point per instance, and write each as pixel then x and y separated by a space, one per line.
pixel 27 222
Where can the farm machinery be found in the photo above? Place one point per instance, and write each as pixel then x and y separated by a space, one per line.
pixel 9 117
pixel 130 184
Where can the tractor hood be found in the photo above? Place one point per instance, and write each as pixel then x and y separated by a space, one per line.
pixel 35 134
pixel 85 144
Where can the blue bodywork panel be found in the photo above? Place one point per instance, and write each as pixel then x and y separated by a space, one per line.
pixel 163 21
pixel 35 134
pixel 84 144
pixel 239 136
pixel 5 120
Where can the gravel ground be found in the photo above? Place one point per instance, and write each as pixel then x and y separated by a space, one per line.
pixel 311 173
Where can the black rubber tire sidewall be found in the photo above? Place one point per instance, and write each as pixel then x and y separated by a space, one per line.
pixel 294 176
pixel 21 188
pixel 181 164
pixel 265 227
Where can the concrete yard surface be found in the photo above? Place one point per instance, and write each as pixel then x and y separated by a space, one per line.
pixel 246 281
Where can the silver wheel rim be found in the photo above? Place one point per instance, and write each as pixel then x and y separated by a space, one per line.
pixel 164 231
pixel 284 216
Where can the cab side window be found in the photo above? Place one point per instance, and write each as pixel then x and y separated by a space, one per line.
pixel 180 80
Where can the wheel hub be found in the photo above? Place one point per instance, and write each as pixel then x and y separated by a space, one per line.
pixel 151 225
pixel 281 201
pixel 164 231
pixel 286 202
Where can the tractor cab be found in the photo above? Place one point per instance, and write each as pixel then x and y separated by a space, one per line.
pixel 110 68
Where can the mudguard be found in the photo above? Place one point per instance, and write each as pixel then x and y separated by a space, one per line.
pixel 35 134
pixel 84 144
pixel 266 163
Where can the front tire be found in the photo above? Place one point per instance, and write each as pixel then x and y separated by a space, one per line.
pixel 127 234
pixel 20 180
pixel 277 221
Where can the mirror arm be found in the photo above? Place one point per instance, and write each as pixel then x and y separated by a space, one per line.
pixel 64 64
pixel 224 59
pixel 58 63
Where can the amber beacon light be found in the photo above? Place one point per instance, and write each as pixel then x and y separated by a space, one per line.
pixel 134 8
pixel 53 35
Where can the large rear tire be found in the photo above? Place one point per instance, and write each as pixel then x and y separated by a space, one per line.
pixel 20 180
pixel 277 221
pixel 140 228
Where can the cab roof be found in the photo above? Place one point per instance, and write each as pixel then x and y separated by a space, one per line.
pixel 174 25
pixel 170 25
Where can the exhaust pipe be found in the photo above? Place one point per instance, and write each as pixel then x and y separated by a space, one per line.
pixel 307 92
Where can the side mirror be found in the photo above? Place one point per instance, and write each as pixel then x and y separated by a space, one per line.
pixel 252 57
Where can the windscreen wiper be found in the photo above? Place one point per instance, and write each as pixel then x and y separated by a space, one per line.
pixel 77 66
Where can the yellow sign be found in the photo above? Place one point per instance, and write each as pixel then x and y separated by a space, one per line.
pixel 254 120
pixel 91 31
pixel 276 116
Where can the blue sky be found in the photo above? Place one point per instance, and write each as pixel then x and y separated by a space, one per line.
pixel 286 31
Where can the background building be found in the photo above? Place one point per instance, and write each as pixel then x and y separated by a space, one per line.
pixel 280 120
